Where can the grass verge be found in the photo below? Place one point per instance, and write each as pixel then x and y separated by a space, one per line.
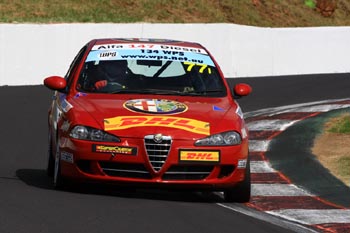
pixel 276 13
pixel 332 147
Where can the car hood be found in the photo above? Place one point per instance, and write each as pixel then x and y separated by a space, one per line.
pixel 180 117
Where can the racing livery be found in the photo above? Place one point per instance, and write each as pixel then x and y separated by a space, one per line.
pixel 148 112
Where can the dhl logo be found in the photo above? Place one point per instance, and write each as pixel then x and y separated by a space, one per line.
pixel 207 156
pixel 125 122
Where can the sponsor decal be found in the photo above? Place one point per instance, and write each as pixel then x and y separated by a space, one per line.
pixel 191 56
pixel 155 106
pixel 67 157
pixel 79 94
pixel 148 39
pixel 242 163
pixel 156 47
pixel 199 156
pixel 105 55
pixel 216 108
pixel 114 149
pixel 65 105
pixel 126 122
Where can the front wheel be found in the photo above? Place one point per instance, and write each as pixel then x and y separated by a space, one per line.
pixel 241 192
pixel 50 159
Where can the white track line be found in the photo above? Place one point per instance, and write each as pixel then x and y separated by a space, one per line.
pixel 270 125
pixel 293 107
pixel 258 145
pixel 267 218
pixel 260 167
pixel 274 190
pixel 312 217
pixel 321 108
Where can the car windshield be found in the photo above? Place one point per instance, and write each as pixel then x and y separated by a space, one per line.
pixel 109 72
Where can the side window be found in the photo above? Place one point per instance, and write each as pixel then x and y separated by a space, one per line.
pixel 74 65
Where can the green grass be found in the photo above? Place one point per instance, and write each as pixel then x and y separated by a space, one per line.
pixel 272 13
pixel 342 125
pixel 343 166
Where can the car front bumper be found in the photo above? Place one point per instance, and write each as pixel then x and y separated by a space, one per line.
pixel 129 162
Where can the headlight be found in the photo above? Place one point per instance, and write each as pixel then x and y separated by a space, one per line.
pixel 91 134
pixel 223 139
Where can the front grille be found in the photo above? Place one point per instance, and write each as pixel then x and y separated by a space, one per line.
pixel 188 172
pixel 157 152
pixel 129 170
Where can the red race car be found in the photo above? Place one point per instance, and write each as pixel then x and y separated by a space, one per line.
pixel 148 112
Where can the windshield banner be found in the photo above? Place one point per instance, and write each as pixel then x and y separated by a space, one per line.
pixel 146 54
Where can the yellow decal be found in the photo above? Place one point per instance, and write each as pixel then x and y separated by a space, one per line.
pixel 114 149
pixel 201 69
pixel 207 156
pixel 125 122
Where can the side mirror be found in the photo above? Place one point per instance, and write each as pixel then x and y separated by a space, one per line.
pixel 55 83
pixel 242 89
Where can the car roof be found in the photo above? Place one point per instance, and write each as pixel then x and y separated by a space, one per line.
pixel 103 41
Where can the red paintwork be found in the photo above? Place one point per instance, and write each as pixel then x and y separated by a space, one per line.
pixel 92 109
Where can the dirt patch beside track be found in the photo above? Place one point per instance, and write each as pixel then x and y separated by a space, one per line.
pixel 333 150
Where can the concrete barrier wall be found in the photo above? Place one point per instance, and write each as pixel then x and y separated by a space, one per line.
pixel 30 52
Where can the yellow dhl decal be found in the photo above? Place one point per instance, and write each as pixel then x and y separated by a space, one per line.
pixel 125 122
pixel 207 156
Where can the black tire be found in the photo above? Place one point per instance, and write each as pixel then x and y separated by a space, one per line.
pixel 50 159
pixel 242 191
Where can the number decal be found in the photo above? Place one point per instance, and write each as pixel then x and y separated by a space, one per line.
pixel 190 66
pixel 202 68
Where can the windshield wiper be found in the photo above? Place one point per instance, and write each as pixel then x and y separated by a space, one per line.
pixel 166 92
pixel 161 92
pixel 145 91
pixel 207 91
pixel 126 91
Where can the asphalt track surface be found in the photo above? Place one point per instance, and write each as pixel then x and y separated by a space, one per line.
pixel 28 202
